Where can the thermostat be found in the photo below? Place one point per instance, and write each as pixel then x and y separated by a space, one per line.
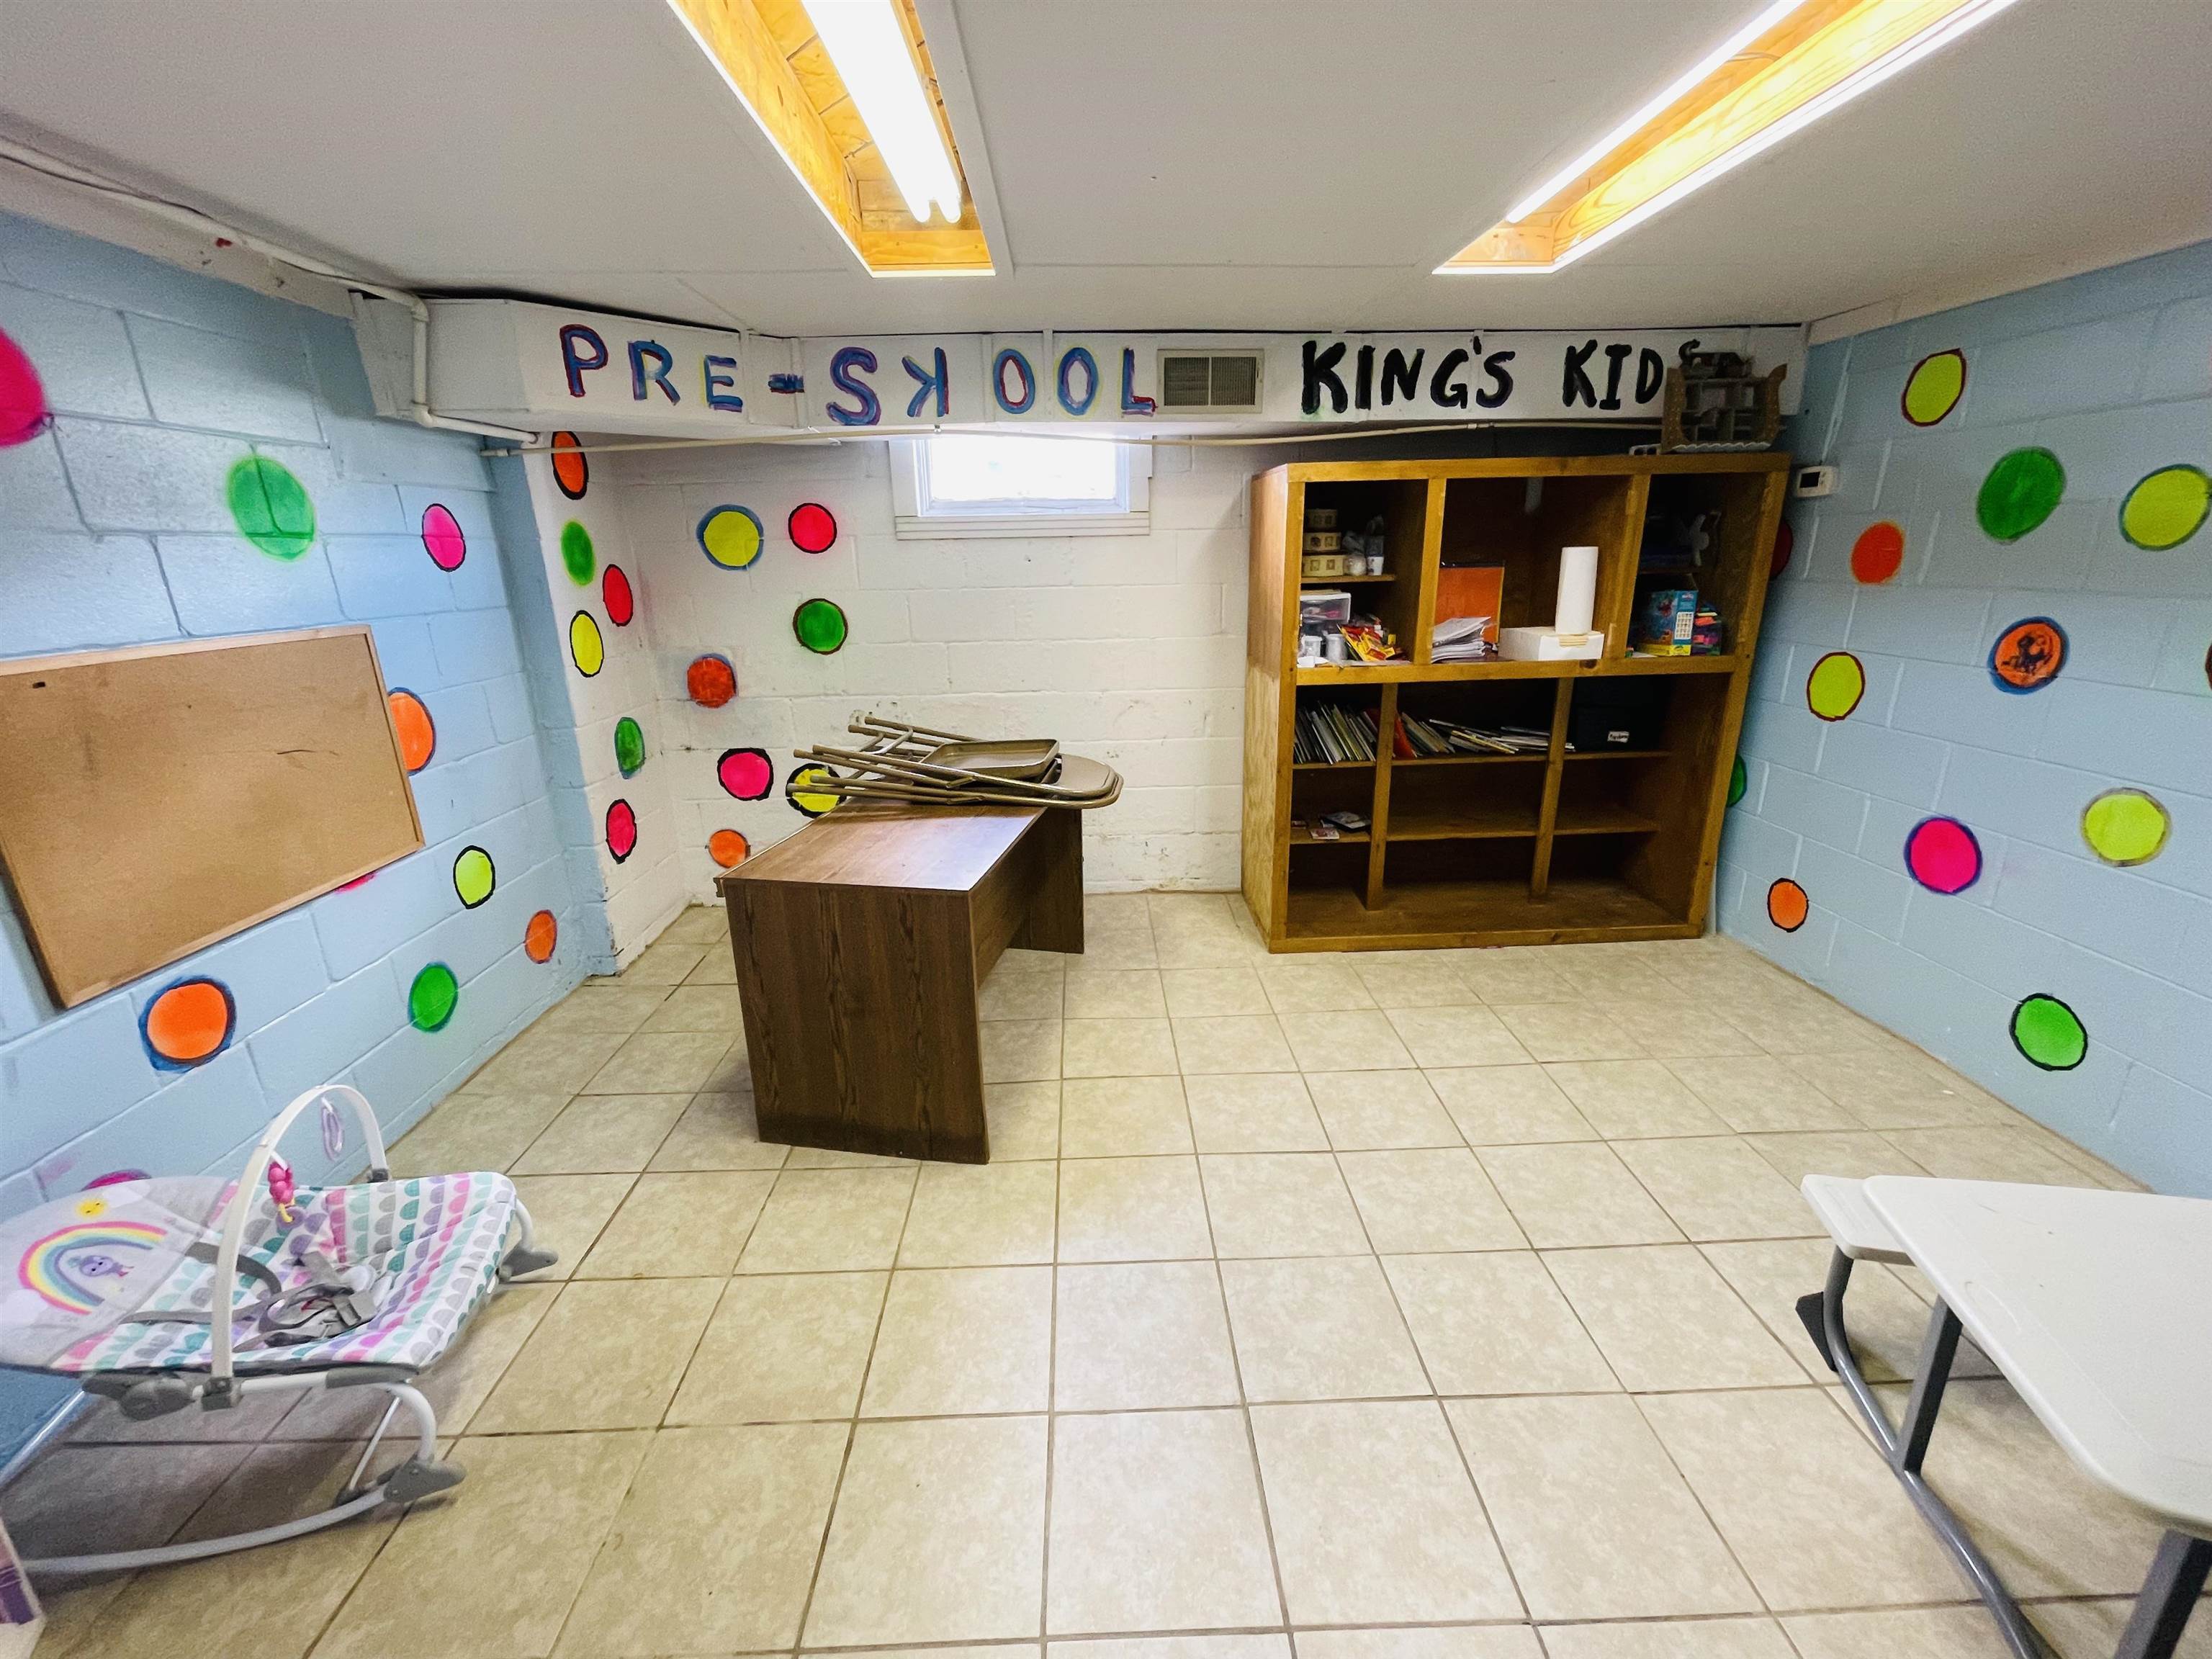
pixel 1813 480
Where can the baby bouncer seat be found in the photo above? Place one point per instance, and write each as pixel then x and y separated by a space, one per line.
pixel 364 1285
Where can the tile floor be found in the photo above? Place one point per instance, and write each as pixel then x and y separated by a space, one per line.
pixel 1435 1304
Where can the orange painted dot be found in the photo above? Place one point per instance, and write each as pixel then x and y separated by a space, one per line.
pixel 418 732
pixel 540 935
pixel 1787 906
pixel 1879 553
pixel 189 1023
pixel 728 849
pixel 571 470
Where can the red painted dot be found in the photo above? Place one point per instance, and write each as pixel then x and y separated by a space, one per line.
pixel 746 773
pixel 442 539
pixel 710 680
pixel 1942 855
pixel 540 935
pixel 622 602
pixel 622 831
pixel 358 881
pixel 23 400
pixel 1785 544
pixel 1879 553
pixel 814 530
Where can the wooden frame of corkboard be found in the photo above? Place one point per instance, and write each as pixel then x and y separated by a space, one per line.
pixel 158 798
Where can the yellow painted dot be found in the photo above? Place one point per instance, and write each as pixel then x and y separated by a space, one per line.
pixel 811 801
pixel 731 537
pixel 1834 687
pixel 2166 508
pixel 1934 387
pixel 2125 826
pixel 586 647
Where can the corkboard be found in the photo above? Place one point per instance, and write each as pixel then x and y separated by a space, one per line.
pixel 155 800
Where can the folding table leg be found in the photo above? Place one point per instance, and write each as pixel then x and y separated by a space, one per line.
pixel 2167 1599
pixel 1937 1349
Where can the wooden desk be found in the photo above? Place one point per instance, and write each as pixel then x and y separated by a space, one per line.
pixel 859 943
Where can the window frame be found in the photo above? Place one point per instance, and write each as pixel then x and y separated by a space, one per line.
pixel 911 520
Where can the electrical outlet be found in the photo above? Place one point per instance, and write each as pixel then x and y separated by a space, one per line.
pixel 1810 481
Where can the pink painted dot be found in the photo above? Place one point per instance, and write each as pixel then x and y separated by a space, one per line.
pixel 1942 855
pixel 442 539
pixel 622 831
pixel 22 398
pixel 746 773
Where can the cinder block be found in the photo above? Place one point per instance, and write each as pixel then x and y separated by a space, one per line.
pixel 2157 739
pixel 177 1132
pixel 80 268
pixel 70 592
pixel 1813 807
pixel 403 654
pixel 80 1069
pixel 2092 364
pixel 1759 845
pixel 2158 1135
pixel 475 645
pixel 148 478
pixel 82 353
pixel 2117 913
pixel 34 490
pixel 1786 732
pixel 1931 623
pixel 319 1042
pixel 226 585
pixel 18 1193
pixel 24 1004
pixel 1874 896
pixel 2179 360
pixel 508 698
pixel 356 927
pixel 1877 761
pixel 258 388
pixel 401 452
pixel 385 576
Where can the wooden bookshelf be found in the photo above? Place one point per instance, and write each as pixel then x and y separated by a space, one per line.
pixel 1501 849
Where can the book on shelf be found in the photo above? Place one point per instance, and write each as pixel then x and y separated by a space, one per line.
pixel 1416 738
pixel 1325 735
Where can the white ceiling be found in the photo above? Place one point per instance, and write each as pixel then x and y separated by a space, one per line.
pixel 1155 163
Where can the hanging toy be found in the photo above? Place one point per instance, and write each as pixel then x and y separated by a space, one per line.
pixel 333 1131
pixel 282 1190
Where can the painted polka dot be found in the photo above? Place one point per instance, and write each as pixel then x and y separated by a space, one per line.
pixel 1942 855
pixel 1879 553
pixel 1787 906
pixel 270 506
pixel 572 470
pixel 2166 508
pixel 2027 655
pixel 416 731
pixel 731 537
pixel 2048 1034
pixel 629 746
pixel 819 625
pixel 747 774
pixel 474 877
pixel 1738 780
pixel 433 997
pixel 620 599
pixel 23 412
pixel 2022 489
pixel 442 539
pixel 798 791
pixel 578 558
pixel 586 648
pixel 728 849
pixel 1934 387
pixel 710 680
pixel 1834 687
pixel 540 934
pixel 622 831
pixel 2125 827
pixel 813 527
pixel 188 1024
pixel 1785 544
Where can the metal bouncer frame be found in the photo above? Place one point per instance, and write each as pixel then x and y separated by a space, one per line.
pixel 143 1395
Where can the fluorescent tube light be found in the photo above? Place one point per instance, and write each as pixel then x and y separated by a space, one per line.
pixel 865 41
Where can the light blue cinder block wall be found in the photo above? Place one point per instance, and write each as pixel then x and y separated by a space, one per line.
pixel 114 531
pixel 2112 373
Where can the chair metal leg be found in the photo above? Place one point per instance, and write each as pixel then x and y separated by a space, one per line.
pixel 2167 1598
pixel 1936 1350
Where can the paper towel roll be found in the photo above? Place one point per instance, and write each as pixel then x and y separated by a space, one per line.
pixel 1577 589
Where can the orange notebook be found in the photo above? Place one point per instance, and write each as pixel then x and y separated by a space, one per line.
pixel 1471 590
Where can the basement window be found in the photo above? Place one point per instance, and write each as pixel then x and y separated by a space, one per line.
pixel 960 483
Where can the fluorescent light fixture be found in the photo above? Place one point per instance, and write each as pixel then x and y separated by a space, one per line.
pixel 1795 62
pixel 865 41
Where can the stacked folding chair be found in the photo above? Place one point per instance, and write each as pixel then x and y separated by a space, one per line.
pixel 921 767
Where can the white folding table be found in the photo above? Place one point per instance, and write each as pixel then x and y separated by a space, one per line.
pixel 2097 1306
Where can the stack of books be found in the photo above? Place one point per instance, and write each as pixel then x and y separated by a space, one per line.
pixel 1422 739
pixel 1325 732
pixel 1461 639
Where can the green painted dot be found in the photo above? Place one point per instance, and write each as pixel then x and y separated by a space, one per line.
pixel 432 998
pixel 2048 1034
pixel 1738 780
pixel 576 553
pixel 2166 508
pixel 630 746
pixel 820 626
pixel 2021 491
pixel 473 877
pixel 270 507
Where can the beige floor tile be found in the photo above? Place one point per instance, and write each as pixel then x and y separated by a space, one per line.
pixel 1215 1045
pixel 1155 1525
pixel 717 967
pixel 1432 1199
pixel 1567 1030
pixel 1366 1110
pixel 979 1215
pixel 455 1385
pixel 666 962
pixel 2091 1630
pixel 1628 1099
pixel 608 1354
pixel 1115 994
pixel 1360 1040
pixel 88 1500
pixel 1494 1323
pixel 1254 1112
pixel 1313 985
pixel 1908 1633
pixel 469 1132
pixel 603 1005
pixel 1106 912
pixel 1009 993
pixel 1672 1029
pixel 1020 1050
pixel 1208 993
pixel 783 1348
pixel 1884 1319
pixel 1033 961
pixel 717 1131
pixel 1593 1517
pixel 1893 1089
pixel 1024 1120
pixel 1320 1329
pixel 1279 1204
pixel 1509 1105
pixel 550 1062
pixel 1444 1641
pixel 830 1157
pixel 1718 1187
pixel 1135 947
pixel 829 1221
pixel 1513 974
pixel 493 1570
pixel 1597 973
pixel 1413 979
pixel 1132 1209
pixel 676 1226
pixel 1856 1154
pixel 1811 1510
pixel 1374 1518
pixel 567 1213
pixel 1466 1036
pixel 700 1008
pixel 673 1062
pixel 958 1341
pixel 1759 1094
pixel 1147 1334
pixel 1122 1117
pixel 1787 1016
pixel 714 1546
pixel 1996 1152
pixel 1571 1195
pixel 1117 1047
pixel 1275 1646
pixel 938 1534
pixel 1200 907
pixel 1685 1638
pixel 1665 1319
pixel 603 1135
pixel 704 924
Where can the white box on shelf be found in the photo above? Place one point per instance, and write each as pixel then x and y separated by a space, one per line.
pixel 1548 645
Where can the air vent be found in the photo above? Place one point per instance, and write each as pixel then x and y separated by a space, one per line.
pixel 1214 380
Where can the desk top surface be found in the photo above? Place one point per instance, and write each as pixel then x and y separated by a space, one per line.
pixel 2096 1305
pixel 916 848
